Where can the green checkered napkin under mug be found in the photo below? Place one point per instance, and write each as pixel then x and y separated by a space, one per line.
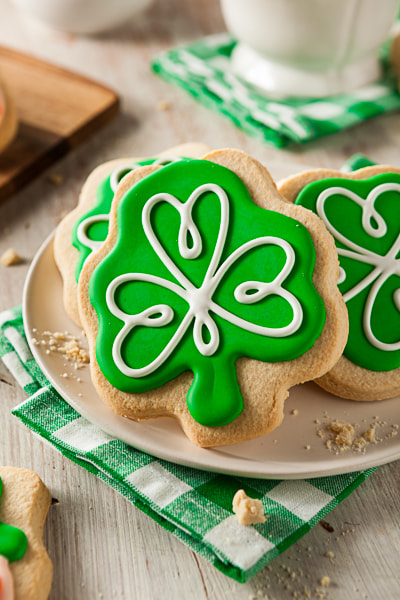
pixel 193 505
pixel 203 70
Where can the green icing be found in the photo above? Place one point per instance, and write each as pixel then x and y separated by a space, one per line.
pixel 214 398
pixel 374 336
pixel 98 230
pixel 13 541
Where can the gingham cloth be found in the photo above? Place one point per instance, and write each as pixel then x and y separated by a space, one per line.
pixel 202 69
pixel 195 506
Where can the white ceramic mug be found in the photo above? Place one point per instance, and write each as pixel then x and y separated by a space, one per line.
pixel 308 47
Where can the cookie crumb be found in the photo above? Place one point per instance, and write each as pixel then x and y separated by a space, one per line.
pixel 344 433
pixel 327 526
pixel 56 178
pixel 164 105
pixel 325 581
pixel 391 434
pixel 344 436
pixel 329 554
pixel 248 510
pixel 307 447
pixel 73 351
pixel 369 435
pixel 66 344
pixel 294 412
pixel 359 443
pixel 10 257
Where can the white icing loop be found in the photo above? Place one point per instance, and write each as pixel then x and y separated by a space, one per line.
pixel 83 227
pixel 373 223
pixel 383 266
pixel 188 228
pixel 342 275
pixel 117 174
pixel 200 322
pixel 252 291
pixel 166 160
pixel 205 331
pixel 396 299
pixel 143 319
pixel 115 179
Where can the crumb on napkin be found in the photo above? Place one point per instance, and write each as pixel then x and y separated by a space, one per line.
pixel 248 510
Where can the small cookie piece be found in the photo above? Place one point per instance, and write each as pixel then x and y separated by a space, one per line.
pixel 210 298
pixel 361 211
pixel 248 510
pixel 8 118
pixel 85 228
pixel 24 502
pixel 10 258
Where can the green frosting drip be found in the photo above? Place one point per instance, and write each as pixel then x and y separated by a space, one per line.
pixel 13 541
pixel 361 246
pixel 214 398
pixel 98 231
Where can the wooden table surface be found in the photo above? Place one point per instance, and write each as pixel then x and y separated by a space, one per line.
pixel 101 546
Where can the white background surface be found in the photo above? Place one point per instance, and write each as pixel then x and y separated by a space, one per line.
pixel 101 546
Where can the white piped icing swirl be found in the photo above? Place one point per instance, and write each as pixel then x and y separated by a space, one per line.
pixel 383 266
pixel 199 299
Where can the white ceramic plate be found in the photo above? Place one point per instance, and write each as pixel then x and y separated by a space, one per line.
pixel 281 454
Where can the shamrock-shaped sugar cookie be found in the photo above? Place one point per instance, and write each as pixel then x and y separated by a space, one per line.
pixel 85 228
pixel 13 541
pixel 25 567
pixel 206 302
pixel 362 212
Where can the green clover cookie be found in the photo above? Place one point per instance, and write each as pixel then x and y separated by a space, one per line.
pixel 198 277
pixel 364 218
pixel 91 228
pixel 13 541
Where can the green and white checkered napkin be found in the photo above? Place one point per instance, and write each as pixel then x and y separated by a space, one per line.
pixel 202 69
pixel 195 506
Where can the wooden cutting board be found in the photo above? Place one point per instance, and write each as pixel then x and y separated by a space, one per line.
pixel 57 110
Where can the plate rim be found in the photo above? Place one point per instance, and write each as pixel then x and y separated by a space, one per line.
pixel 360 461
